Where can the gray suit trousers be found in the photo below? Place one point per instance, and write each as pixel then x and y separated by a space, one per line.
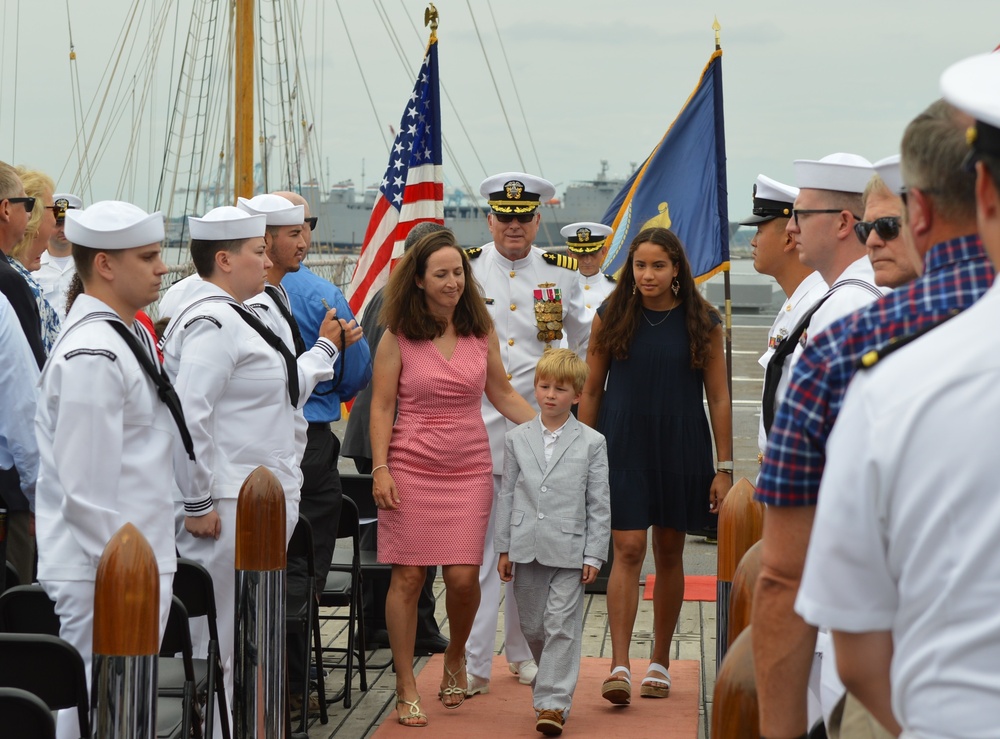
pixel 550 602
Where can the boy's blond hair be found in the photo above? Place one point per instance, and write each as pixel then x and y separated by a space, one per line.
pixel 562 365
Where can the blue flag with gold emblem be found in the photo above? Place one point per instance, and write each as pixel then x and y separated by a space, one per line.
pixel 681 185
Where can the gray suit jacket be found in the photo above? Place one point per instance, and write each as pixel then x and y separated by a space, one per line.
pixel 558 513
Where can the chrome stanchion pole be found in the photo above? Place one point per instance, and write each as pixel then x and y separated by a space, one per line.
pixel 126 638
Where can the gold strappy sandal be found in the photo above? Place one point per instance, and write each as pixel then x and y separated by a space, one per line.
pixel 414 717
pixel 452 687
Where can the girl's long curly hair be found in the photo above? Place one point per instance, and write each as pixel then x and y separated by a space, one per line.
pixel 621 317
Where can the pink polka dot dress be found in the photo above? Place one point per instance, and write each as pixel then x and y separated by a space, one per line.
pixel 439 457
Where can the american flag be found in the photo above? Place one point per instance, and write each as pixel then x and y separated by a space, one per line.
pixel 412 189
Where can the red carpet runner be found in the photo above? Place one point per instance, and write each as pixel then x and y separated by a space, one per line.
pixel 507 710
pixel 696 587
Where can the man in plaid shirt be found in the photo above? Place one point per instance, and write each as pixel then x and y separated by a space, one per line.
pixel 941 220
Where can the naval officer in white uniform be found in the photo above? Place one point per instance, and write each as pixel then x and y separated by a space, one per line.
pixel 536 303
pixel 57 268
pixel 240 385
pixel 587 242
pixel 105 438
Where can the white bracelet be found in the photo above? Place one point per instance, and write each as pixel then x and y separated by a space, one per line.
pixel 380 467
pixel 726 466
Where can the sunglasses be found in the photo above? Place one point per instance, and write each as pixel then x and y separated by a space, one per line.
pixel 59 208
pixel 887 228
pixel 796 212
pixel 312 222
pixel 28 203
pixel 519 217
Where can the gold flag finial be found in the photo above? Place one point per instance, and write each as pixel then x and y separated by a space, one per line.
pixel 715 27
pixel 431 19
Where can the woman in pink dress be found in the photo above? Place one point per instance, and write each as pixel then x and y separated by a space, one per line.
pixel 433 472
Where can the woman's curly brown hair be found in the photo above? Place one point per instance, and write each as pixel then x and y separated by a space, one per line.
pixel 405 310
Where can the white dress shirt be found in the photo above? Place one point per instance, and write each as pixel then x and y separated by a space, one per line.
pixel 18 393
pixel 54 277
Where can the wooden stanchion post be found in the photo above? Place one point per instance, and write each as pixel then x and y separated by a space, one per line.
pixel 259 657
pixel 126 638
pixel 734 705
pixel 741 524
pixel 741 598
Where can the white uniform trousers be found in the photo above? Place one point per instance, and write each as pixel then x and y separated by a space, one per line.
pixel 219 558
pixel 74 601
pixel 482 641
pixel 550 601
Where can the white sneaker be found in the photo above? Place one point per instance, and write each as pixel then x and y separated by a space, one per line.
pixel 525 671
pixel 476 685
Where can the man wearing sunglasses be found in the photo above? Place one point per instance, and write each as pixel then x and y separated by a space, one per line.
pixel 15 210
pixel 58 268
pixel 940 218
pixel 914 630
pixel 536 302
pixel 891 251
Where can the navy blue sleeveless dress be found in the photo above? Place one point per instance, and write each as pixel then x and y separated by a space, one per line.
pixel 659 441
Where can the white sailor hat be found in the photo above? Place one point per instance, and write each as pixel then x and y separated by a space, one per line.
pixel 585 237
pixel 113 224
pixel 72 201
pixel 516 192
pixel 771 199
pixel 227 223
pixel 279 210
pixel 971 86
pixel 839 172
pixel 888 169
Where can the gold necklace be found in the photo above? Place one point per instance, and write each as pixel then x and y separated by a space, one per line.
pixel 671 310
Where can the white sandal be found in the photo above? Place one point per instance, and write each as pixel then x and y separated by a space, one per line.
pixel 653 686
pixel 616 689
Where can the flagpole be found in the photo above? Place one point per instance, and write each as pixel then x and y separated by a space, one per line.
pixel 727 286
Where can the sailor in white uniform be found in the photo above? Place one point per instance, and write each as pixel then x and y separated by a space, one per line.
pixel 57 268
pixel 286 248
pixel 105 438
pixel 587 242
pixel 536 302
pixel 774 255
pixel 240 386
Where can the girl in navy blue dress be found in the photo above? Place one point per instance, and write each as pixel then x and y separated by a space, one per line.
pixel 656 346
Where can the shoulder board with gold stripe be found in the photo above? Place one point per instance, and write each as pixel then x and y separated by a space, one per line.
pixel 560 260
pixel 871 358
pixel 610 277
pixel 474 252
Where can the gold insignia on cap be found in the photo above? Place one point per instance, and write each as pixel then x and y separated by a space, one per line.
pixel 583 234
pixel 513 189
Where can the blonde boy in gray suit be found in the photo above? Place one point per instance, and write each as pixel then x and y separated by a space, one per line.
pixel 553 521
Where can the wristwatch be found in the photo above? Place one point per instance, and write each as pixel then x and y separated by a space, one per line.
pixel 726 466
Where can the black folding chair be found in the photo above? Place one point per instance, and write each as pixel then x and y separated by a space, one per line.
pixel 359 489
pixel 10 577
pixel 344 589
pixel 50 668
pixel 177 715
pixel 193 586
pixel 25 715
pixel 302 616
pixel 27 609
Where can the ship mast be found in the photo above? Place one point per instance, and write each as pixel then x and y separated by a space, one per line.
pixel 243 119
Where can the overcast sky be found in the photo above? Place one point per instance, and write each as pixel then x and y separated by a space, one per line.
pixel 597 80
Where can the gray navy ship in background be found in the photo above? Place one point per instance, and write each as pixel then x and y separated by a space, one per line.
pixel 344 213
